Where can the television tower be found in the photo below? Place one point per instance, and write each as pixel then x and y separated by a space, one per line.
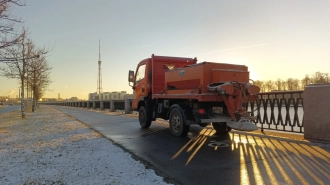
pixel 99 77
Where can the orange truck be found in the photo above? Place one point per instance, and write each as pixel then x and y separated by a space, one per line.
pixel 186 92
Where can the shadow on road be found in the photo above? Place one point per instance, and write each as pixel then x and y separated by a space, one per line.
pixel 264 159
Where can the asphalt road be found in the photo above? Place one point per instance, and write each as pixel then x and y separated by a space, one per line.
pixel 203 157
pixel 9 108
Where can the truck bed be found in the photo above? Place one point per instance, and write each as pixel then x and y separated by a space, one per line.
pixel 191 81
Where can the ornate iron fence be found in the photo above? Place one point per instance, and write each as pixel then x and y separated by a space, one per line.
pixel 279 110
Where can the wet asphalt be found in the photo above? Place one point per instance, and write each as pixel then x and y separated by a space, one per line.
pixel 9 108
pixel 204 157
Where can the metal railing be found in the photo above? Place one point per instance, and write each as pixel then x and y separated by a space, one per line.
pixel 119 104
pixel 279 110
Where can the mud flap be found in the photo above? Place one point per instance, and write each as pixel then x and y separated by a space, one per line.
pixel 244 125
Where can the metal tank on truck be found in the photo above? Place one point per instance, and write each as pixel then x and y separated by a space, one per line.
pixel 186 92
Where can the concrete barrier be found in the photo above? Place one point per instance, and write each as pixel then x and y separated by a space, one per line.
pixel 317 112
pixel 112 106
pixel 128 108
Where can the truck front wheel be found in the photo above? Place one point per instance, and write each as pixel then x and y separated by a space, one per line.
pixel 221 127
pixel 177 123
pixel 144 119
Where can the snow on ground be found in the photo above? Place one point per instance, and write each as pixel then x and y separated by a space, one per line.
pixel 49 147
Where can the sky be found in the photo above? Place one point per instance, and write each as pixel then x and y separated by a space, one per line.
pixel 275 39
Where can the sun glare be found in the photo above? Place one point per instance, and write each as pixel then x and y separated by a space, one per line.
pixel 253 75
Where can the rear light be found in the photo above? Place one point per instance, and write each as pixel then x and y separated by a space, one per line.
pixel 201 111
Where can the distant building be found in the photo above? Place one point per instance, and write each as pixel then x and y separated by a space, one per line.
pixel 91 96
pixel 3 98
pixel 115 95
pixel 49 99
pixel 96 97
pixel 128 96
pixel 74 99
pixel 106 96
pixel 121 95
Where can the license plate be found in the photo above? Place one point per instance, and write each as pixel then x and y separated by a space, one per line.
pixel 217 110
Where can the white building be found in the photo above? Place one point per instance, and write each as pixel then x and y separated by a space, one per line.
pixel 115 95
pixel 92 96
pixel 106 96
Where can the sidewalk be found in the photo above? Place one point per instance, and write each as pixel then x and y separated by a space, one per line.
pixel 49 147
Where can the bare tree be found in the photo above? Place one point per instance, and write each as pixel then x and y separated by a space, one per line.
pixel 289 83
pixel 280 84
pixel 38 72
pixel 17 58
pixel 269 85
pixel 260 84
pixel 319 78
pixel 305 81
pixel 7 23
pixel 293 84
pixel 296 84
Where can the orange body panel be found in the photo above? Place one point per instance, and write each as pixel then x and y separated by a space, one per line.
pixel 199 76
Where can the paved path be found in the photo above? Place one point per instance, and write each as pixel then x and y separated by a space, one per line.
pixel 9 108
pixel 206 158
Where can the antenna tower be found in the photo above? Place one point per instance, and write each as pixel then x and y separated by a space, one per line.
pixel 99 77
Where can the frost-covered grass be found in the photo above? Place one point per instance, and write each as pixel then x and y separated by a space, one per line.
pixel 49 147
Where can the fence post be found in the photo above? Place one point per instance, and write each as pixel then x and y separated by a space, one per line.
pixel 94 104
pixel 112 105
pixel 128 107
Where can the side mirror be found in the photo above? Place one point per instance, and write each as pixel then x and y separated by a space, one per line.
pixel 130 77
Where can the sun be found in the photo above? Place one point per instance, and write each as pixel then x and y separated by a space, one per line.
pixel 254 76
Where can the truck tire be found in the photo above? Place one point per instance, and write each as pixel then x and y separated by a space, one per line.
pixel 221 127
pixel 177 123
pixel 144 119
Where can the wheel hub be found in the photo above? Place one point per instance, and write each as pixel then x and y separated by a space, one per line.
pixel 176 122
pixel 142 117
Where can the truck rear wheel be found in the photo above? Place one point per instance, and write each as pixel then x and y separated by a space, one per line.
pixel 144 119
pixel 177 123
pixel 221 127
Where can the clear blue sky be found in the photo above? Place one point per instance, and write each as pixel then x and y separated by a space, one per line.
pixel 275 39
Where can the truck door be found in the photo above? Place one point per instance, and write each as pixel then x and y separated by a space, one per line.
pixel 140 85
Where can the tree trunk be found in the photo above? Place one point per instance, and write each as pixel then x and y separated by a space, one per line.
pixel 22 100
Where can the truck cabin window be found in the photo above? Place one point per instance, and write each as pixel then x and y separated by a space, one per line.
pixel 140 73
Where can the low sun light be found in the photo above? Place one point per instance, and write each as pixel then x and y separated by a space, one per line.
pixel 253 75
